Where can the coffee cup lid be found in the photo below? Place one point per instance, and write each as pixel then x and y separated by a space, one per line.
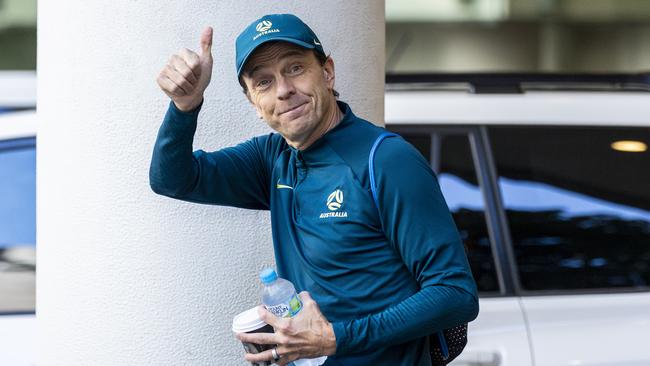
pixel 247 321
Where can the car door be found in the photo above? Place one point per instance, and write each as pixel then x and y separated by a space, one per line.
pixel 578 210
pixel 590 329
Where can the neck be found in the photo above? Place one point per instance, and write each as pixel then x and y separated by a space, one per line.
pixel 332 118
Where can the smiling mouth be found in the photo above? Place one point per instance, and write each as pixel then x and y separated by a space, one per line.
pixel 292 109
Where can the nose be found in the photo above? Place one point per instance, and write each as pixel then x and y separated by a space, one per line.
pixel 285 88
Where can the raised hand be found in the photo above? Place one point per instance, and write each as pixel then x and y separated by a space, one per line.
pixel 187 74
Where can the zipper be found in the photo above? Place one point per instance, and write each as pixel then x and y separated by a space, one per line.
pixel 301 175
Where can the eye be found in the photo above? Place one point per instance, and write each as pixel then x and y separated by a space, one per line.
pixel 262 84
pixel 295 69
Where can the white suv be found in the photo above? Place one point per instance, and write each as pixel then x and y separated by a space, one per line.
pixel 551 193
pixel 17 218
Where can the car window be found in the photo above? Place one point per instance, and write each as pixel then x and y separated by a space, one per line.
pixel 450 156
pixel 578 206
pixel 17 225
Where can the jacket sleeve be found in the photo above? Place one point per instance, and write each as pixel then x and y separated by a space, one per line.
pixel 235 176
pixel 416 220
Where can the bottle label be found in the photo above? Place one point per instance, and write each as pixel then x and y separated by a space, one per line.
pixel 286 310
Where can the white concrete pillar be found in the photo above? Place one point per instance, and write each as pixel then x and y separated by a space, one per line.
pixel 126 277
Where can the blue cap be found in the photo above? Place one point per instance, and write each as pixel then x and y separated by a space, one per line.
pixel 274 27
pixel 268 275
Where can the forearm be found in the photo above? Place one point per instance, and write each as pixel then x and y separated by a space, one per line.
pixel 429 310
pixel 233 176
pixel 172 169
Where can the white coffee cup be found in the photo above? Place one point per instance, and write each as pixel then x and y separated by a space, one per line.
pixel 249 322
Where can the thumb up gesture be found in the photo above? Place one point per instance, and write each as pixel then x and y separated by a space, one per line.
pixel 187 74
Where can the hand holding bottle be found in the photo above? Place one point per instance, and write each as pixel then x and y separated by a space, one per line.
pixel 301 332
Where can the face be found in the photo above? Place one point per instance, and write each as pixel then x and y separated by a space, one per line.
pixel 290 89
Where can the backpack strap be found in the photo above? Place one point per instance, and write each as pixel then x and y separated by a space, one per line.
pixel 371 164
pixel 373 188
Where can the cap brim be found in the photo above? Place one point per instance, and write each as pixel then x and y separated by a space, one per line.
pixel 269 39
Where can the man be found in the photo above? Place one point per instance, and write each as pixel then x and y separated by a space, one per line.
pixel 385 277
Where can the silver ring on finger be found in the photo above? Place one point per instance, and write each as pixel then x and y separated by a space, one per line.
pixel 274 353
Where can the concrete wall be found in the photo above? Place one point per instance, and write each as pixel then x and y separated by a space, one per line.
pixel 126 277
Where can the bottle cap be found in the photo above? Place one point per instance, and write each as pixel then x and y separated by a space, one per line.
pixel 268 275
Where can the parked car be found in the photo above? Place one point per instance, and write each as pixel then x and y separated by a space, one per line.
pixel 17 237
pixel 548 183
pixel 17 217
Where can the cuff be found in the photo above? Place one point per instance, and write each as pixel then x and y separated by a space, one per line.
pixel 342 337
pixel 194 113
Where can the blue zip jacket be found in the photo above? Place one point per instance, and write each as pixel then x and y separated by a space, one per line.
pixel 385 277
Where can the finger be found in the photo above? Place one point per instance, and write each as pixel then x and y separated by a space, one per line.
pixel 267 355
pixel 305 296
pixel 182 67
pixel 268 317
pixel 192 60
pixel 286 356
pixel 285 361
pixel 179 80
pixel 258 338
pixel 308 301
pixel 170 87
pixel 206 42
pixel 259 357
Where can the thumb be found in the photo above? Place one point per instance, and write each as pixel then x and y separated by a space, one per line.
pixel 206 42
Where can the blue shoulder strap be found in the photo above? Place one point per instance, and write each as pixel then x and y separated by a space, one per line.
pixel 373 188
pixel 371 164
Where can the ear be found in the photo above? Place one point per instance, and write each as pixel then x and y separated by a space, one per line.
pixel 328 73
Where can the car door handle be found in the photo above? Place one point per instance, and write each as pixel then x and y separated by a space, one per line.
pixel 477 358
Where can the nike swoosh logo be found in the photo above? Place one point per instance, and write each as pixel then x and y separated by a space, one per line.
pixel 317 43
pixel 282 186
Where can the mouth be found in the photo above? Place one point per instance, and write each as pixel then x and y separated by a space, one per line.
pixel 292 108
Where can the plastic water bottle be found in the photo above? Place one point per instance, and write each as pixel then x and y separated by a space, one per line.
pixel 280 298
pixel 279 295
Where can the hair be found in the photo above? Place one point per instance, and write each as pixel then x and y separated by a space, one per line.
pixel 321 57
